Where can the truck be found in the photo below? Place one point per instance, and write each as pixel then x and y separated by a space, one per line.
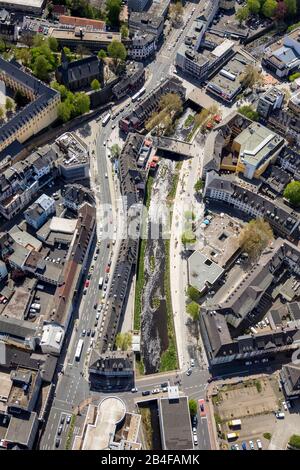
pixel 235 423
pixel 232 436
pixel 100 282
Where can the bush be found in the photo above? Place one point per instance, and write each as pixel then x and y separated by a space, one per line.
pixel 249 112
pixel 193 310
pixel 193 293
pixel 267 435
pixel 294 76
pixel 193 407
pixel 295 441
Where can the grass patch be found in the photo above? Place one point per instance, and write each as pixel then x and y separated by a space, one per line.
pixel 189 121
pixel 267 435
pixel 140 368
pixel 70 433
pixel 217 419
pixel 147 427
pixel 258 385
pixel 169 359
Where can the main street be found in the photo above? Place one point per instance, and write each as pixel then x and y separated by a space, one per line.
pixel 72 386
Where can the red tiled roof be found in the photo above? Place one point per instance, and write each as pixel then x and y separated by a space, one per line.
pixel 75 21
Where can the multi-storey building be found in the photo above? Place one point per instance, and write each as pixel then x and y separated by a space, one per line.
pixel 35 116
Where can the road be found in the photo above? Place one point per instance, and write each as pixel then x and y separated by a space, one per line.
pixel 72 385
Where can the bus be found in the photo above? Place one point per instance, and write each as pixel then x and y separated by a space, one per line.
pixel 138 94
pixel 235 423
pixel 232 436
pixel 100 282
pixel 105 119
pixel 79 350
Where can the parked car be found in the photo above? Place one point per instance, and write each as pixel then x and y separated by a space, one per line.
pixel 155 390
pixel 189 371
pixel 83 333
pixel 68 419
pixel 62 419
pixel 251 444
pixel 59 430
pixel 284 405
pixel 259 444
pixel 244 445
pixel 145 393
pixel 93 333
pixel 57 442
pixel 88 332
pixel 192 362
pixel 194 421
pixel 134 390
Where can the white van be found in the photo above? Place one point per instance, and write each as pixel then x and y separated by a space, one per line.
pixel 195 440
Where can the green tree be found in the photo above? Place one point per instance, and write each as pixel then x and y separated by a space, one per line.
pixel 188 237
pixel 61 89
pixel 255 237
pixel 249 112
pixel 68 54
pixel 124 31
pixel 41 68
pixel 53 44
pixel 64 111
pixel 113 9
pixel 102 54
pixel 193 309
pixel 9 105
pixel 24 55
pixel 95 84
pixel 292 193
pixel 115 150
pixel 242 14
pixel 269 8
pixel 2 113
pixel 193 407
pixel 82 103
pixel 198 186
pixel 193 293
pixel 294 76
pixel 254 6
pixel 117 51
pixel 291 6
pixel 124 341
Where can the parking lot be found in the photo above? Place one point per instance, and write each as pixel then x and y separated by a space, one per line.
pixel 254 401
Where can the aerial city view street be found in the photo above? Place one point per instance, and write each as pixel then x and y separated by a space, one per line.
pixel 149 225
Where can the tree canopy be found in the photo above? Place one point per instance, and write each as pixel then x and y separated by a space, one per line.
pixel 95 84
pixel 269 8
pixel 254 6
pixel 198 186
pixel 193 293
pixel 249 112
pixel 116 50
pixel 193 310
pixel 242 14
pixel 113 9
pixel 124 341
pixel 292 193
pixel 255 237
pixel 250 77
pixel 124 31
pixel 295 441
pixel 193 407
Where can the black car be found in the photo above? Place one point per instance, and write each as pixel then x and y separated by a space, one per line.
pixel 165 384
pixel 57 442
pixel 145 393
pixel 88 332
pixel 194 421
pixel 62 419
pixel 93 333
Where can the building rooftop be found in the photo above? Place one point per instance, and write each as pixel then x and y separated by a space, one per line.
pixel 202 271
pixel 174 436
pixel 111 411
pixel 63 225
pixel 256 143
pixel 20 429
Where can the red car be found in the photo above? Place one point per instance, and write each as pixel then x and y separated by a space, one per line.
pixel 87 283
pixel 202 407
pixel 107 269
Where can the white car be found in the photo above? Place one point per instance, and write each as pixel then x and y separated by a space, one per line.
pixel 284 405
pixel 195 440
pixel 155 390
pixel 134 390
pixel 192 362
pixel 251 444
pixel 104 143
pixel 259 444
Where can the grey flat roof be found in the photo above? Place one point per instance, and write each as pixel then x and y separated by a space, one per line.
pixel 20 429
pixel 175 424
pixel 202 271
